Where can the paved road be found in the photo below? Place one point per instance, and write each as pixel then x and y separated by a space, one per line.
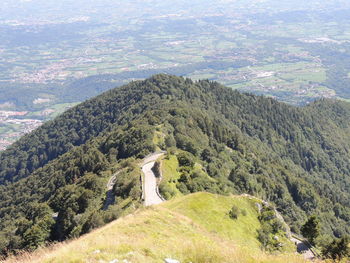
pixel 150 189
pixel 303 249
pixel 111 181
pixel 152 157
pixel 110 198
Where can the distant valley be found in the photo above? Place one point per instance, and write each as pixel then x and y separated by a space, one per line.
pixel 272 48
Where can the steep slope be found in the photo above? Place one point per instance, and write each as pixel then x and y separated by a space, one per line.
pixel 221 141
pixel 194 228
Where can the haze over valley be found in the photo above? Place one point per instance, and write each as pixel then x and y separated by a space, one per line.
pixel 54 55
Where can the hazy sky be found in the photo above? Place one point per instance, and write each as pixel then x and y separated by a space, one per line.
pixel 102 10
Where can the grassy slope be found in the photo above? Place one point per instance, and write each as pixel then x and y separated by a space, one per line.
pixel 170 173
pixel 193 228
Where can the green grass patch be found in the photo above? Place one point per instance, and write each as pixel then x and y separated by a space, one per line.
pixel 211 212
pixel 170 175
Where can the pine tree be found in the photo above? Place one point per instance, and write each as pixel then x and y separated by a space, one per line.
pixel 311 229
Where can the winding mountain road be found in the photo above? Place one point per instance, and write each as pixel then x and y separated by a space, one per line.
pixel 150 191
pixel 110 198
pixel 303 248
pixel 150 188
pixel 152 197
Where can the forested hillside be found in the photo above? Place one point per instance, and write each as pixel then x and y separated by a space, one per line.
pixel 224 141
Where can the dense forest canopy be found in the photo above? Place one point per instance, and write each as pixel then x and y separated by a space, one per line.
pixel 294 157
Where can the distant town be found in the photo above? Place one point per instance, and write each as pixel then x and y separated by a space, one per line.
pixel 17 119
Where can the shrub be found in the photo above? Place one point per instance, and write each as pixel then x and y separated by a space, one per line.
pixel 311 229
pixel 234 212
pixel 166 191
pixel 337 249
pixel 185 159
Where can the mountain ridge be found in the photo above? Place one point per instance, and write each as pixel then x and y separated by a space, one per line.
pixel 224 142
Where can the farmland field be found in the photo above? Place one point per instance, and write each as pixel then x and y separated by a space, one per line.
pixel 293 51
